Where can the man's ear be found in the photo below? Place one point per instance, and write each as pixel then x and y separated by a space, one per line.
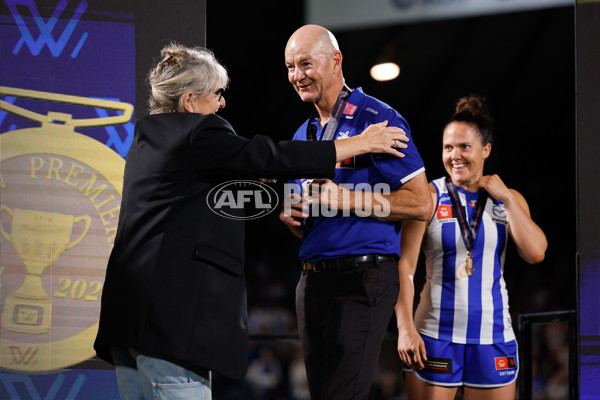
pixel 337 60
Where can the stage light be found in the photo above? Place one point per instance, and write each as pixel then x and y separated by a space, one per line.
pixel 385 71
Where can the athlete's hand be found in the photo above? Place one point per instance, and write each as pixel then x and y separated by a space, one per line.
pixel 495 187
pixel 411 348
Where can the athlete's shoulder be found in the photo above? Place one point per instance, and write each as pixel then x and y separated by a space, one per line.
pixel 439 184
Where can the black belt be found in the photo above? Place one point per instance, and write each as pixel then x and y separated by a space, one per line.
pixel 346 263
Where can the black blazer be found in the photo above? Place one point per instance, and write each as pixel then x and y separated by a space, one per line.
pixel 175 279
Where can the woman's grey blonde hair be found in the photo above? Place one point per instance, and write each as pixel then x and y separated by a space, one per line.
pixel 180 70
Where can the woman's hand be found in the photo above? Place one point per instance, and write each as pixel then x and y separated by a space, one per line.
pixel 385 139
pixel 495 187
pixel 529 238
pixel 376 138
pixel 411 348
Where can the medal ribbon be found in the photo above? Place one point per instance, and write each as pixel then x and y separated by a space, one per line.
pixel 329 134
pixel 468 229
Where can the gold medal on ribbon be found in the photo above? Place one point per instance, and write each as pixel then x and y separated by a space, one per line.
pixel 461 271
pixel 468 228
pixel 469 263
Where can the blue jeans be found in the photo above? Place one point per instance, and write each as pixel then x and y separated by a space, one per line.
pixel 144 377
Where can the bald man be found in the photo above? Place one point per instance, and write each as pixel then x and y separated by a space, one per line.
pixel 349 284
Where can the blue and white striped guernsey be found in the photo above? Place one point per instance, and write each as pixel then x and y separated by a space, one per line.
pixel 455 307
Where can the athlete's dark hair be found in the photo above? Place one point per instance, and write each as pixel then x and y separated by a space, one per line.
pixel 473 110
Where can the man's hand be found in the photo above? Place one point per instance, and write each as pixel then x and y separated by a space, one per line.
pixel 327 192
pixel 294 210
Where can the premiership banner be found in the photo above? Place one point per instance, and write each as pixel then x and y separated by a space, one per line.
pixel 347 14
pixel 71 73
pixel 67 91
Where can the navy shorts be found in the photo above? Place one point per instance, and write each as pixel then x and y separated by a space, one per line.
pixel 477 365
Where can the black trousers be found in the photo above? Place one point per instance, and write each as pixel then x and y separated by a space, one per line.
pixel 342 320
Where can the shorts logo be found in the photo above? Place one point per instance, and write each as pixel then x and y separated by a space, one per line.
pixel 438 365
pixel 444 211
pixel 504 363
pixel 349 109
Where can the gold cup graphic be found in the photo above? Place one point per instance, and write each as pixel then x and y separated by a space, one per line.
pixel 39 239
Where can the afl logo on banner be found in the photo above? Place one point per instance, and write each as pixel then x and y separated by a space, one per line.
pixel 242 200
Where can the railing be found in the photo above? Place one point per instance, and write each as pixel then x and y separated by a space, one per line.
pixel 526 324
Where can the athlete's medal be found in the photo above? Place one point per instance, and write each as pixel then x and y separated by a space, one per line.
pixel 469 263
pixel 466 268
pixel 468 229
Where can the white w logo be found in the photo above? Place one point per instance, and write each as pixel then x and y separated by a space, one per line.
pixel 36 45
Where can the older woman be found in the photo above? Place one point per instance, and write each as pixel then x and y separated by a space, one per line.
pixel 463 334
pixel 174 299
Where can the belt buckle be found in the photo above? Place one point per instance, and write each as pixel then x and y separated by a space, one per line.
pixel 315 267
pixel 311 266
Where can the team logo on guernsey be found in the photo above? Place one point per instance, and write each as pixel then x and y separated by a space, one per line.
pixel 505 363
pixel 499 214
pixel 499 211
pixel 444 211
pixel 349 109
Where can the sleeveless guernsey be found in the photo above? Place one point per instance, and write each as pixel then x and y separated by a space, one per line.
pixel 455 307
